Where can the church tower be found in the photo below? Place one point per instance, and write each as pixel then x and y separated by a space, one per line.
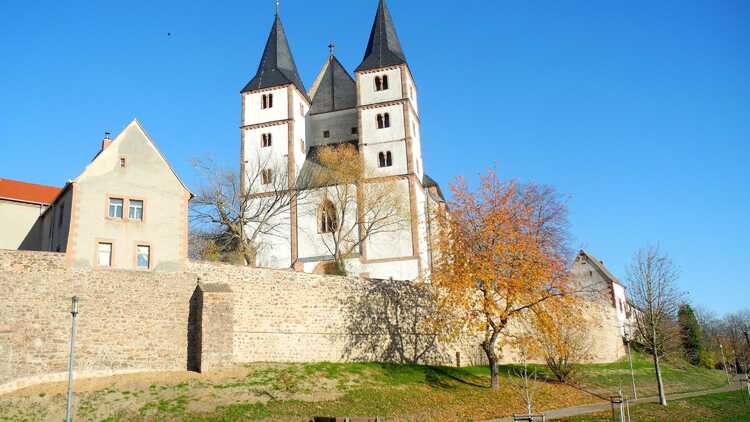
pixel 274 106
pixel 388 116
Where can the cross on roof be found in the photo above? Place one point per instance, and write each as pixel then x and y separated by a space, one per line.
pixel 331 48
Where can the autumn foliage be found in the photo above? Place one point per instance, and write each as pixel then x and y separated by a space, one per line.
pixel 503 260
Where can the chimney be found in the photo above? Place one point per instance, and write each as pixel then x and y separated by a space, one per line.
pixel 106 141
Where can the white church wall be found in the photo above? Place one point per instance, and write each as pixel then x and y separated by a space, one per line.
pixel 258 157
pixel 411 90
pixel 368 94
pixel 424 254
pixel 398 270
pixel 370 130
pixel 398 154
pixel 396 244
pixel 311 242
pixel 299 111
pixel 275 250
pixel 416 144
pixel 255 114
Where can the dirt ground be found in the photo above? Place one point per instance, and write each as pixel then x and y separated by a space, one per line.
pixel 142 394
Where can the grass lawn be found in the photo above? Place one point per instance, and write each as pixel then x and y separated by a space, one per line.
pixel 724 407
pixel 294 392
pixel 678 377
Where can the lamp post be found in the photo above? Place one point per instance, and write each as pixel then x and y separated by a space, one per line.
pixel 724 359
pixel 74 313
pixel 630 361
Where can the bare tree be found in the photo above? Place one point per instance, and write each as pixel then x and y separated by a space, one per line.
pixel 238 215
pixel 652 278
pixel 525 382
pixel 354 207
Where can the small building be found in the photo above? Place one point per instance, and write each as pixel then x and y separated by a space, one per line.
pixel 608 306
pixel 128 209
pixel 21 204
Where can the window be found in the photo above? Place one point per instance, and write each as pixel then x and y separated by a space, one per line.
pixel 302 145
pixel 384 120
pixel 143 257
pixel 265 140
pixel 62 213
pixel 381 83
pixel 123 162
pixel 302 110
pixel 326 133
pixel 104 255
pixel 266 176
pixel 115 208
pixel 385 159
pixel 266 101
pixel 328 220
pixel 135 210
pixel 355 130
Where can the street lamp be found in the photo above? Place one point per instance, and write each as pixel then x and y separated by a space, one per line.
pixel 627 339
pixel 74 313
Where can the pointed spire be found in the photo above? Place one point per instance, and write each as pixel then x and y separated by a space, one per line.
pixel 384 48
pixel 277 64
pixel 333 89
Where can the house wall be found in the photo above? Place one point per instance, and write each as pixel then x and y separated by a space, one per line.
pixel 19 226
pixel 55 224
pixel 145 177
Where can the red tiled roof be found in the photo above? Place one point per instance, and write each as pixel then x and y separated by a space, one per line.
pixel 27 192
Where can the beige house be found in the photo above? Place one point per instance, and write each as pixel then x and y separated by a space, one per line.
pixel 21 204
pixel 126 210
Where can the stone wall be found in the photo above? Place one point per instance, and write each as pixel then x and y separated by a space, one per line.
pixel 128 322
pixel 209 316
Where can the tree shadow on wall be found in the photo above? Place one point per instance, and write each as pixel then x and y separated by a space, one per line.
pixel 389 321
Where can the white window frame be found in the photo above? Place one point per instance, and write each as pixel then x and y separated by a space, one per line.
pixel 111 208
pixel 136 206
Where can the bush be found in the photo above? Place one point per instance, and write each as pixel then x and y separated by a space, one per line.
pixel 706 359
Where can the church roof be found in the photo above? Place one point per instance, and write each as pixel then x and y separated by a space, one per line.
pixel 277 64
pixel 333 89
pixel 384 48
pixel 429 182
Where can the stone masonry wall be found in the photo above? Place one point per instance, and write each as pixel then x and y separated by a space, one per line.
pixel 129 321
pixel 209 316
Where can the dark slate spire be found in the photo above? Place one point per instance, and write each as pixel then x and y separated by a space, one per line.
pixel 333 89
pixel 277 65
pixel 384 48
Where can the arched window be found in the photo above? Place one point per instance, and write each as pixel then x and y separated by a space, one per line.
pixel 263 101
pixel 386 120
pixel 328 221
pixel 385 82
pixel 378 84
pixel 265 140
pixel 385 159
pixel 381 123
pixel 266 176
pixel 270 100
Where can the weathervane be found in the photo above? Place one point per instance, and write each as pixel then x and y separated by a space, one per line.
pixel 331 48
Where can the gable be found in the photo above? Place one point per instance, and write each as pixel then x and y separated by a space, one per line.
pixel 140 154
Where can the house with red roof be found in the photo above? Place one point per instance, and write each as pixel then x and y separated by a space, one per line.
pixel 21 205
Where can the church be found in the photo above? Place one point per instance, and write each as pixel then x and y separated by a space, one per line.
pixel 375 111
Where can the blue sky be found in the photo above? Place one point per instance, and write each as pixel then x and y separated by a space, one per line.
pixel 639 111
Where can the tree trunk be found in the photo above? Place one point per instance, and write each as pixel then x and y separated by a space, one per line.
pixel 489 349
pixel 659 381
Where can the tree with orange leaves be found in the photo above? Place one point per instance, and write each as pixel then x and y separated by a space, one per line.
pixel 503 260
